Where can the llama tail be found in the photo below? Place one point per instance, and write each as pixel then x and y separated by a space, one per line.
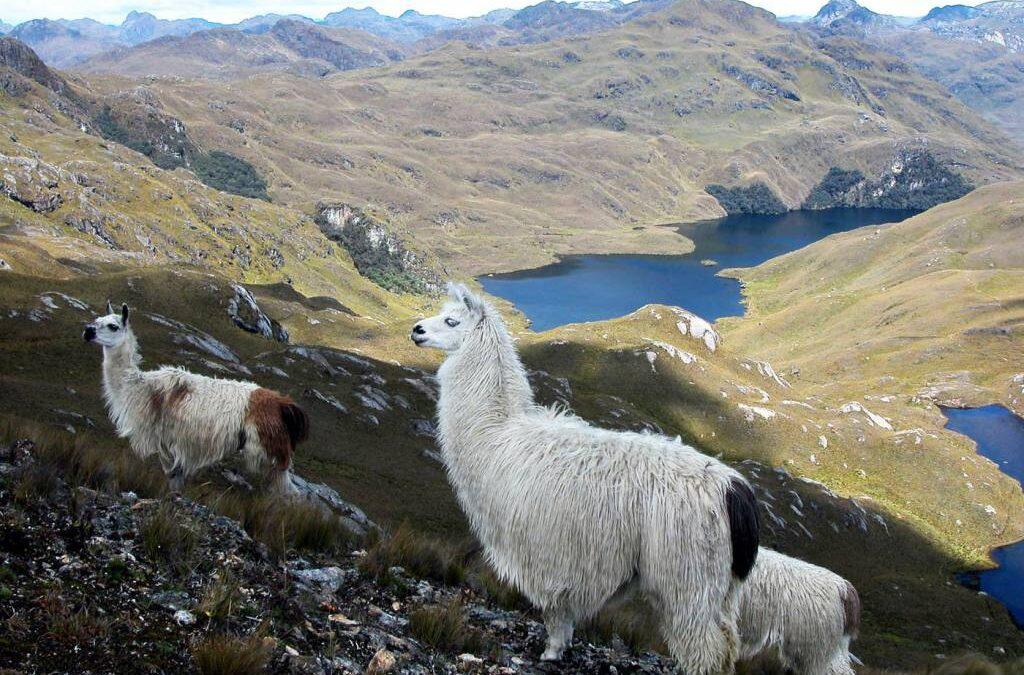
pixel 744 526
pixel 296 421
pixel 851 611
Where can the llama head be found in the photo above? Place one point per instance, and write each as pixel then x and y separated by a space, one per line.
pixel 109 330
pixel 448 330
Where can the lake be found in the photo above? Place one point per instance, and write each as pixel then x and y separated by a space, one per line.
pixel 596 287
pixel 1000 437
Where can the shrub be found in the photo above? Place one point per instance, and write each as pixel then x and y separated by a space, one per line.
pixel 230 655
pixel 224 171
pixel 444 628
pixel 757 198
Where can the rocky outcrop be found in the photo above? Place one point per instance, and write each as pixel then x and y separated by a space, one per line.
pixel 247 314
pixel 376 251
pixel 31 183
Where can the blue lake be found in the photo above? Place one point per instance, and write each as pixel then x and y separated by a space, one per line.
pixel 595 287
pixel 1000 437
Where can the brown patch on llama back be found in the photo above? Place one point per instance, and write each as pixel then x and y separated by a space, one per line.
pixel 270 413
pixel 162 402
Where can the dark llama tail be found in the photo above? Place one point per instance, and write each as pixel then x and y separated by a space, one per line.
pixel 744 526
pixel 295 420
pixel 851 611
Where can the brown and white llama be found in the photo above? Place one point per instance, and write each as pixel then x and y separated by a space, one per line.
pixel 191 421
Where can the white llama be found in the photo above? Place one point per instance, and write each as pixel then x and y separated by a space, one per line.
pixel 573 515
pixel 191 421
pixel 799 614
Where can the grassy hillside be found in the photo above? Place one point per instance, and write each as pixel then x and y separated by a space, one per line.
pixel 502 158
pixel 899 318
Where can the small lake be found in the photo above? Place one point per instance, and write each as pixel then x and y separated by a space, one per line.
pixel 595 287
pixel 1000 436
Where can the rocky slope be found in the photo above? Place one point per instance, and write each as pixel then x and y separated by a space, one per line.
pixel 372 442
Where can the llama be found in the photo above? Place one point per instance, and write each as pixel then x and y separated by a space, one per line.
pixel 799 614
pixel 575 516
pixel 191 421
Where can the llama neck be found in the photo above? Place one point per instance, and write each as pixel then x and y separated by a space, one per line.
pixel 483 384
pixel 119 364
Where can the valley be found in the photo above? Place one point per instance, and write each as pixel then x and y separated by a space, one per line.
pixel 338 172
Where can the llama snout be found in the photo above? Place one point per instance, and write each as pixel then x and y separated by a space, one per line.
pixel 418 334
pixel 89 334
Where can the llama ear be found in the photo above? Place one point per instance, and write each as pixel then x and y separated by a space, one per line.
pixel 456 291
pixel 110 307
pixel 124 314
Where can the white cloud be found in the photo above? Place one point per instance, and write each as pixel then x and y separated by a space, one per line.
pixel 229 11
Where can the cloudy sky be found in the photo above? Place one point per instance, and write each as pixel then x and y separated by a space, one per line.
pixel 114 11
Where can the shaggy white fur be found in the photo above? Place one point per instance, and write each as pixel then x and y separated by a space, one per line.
pixel 573 515
pixel 190 421
pixel 800 614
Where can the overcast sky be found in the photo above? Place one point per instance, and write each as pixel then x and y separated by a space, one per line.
pixel 229 11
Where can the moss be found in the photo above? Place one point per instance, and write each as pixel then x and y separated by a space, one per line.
pixel 755 198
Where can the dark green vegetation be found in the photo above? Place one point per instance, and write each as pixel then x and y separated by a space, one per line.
pixel 754 198
pixel 164 141
pixel 377 253
pixel 224 171
pixel 916 179
pixel 830 191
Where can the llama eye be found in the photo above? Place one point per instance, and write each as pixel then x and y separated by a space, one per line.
pixel 451 323
pixel 112 326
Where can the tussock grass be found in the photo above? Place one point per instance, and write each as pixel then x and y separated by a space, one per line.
pixel 230 655
pixel 283 524
pixel 631 621
pixel 222 597
pixel 68 625
pixel 421 556
pixel 82 459
pixel 444 628
pixel 170 536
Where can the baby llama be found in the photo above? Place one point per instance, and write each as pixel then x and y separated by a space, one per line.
pixel 801 615
pixel 191 421
pixel 573 515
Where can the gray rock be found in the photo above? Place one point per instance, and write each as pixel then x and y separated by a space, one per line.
pixel 247 315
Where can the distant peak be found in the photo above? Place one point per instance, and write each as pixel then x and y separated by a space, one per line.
pixel 409 13
pixel 138 16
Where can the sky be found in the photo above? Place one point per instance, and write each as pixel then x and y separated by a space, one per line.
pixel 230 11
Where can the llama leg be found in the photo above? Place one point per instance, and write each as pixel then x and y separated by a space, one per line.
pixel 560 630
pixel 281 483
pixel 175 474
pixel 699 648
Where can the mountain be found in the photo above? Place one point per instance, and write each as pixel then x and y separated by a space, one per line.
pixel 5 27
pixel 849 17
pixel 972 51
pixel 473 144
pixel 293 46
pixel 1000 22
pixel 408 27
pixel 950 13
pixel 141 27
